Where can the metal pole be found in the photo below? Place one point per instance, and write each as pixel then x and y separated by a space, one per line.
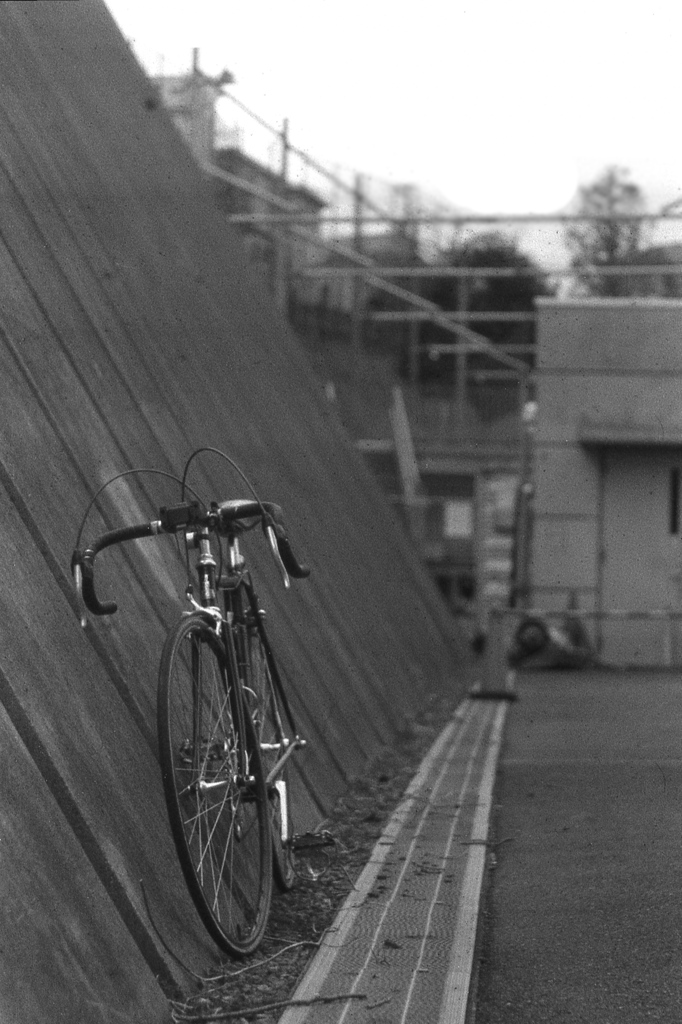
pixel 195 104
pixel 459 330
pixel 284 166
pixel 521 582
pixel 282 240
pixel 413 353
pixel 502 218
pixel 461 363
pixel 358 288
pixel 433 271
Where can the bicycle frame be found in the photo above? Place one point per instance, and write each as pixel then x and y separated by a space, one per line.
pixel 240 608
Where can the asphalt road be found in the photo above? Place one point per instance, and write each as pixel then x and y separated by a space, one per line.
pixel 583 913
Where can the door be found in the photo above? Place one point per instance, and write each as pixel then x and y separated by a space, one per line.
pixel 641 568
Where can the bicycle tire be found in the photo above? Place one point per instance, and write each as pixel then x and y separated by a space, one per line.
pixel 214 786
pixel 268 719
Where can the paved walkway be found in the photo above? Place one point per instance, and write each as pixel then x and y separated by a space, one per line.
pixel 582 917
pixel 584 912
pixel 401 949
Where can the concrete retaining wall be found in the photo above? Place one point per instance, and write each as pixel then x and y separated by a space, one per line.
pixel 131 332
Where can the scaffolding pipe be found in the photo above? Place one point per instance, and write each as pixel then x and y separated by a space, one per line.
pixel 471 218
pixel 324 171
pixel 286 149
pixel 404 447
pixel 247 186
pixel 367 264
pixel 445 347
pixel 419 272
pixel 636 270
pixel 416 314
pixel 356 280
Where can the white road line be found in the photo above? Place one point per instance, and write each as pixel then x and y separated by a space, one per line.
pixel 456 992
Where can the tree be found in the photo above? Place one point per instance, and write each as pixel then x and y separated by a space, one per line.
pixel 505 293
pixel 512 291
pixel 604 239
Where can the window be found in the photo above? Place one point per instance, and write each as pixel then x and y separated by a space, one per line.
pixel 459 519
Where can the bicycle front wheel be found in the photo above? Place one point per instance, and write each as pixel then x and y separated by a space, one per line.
pixel 215 787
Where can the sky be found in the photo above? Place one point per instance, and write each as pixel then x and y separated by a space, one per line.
pixel 495 106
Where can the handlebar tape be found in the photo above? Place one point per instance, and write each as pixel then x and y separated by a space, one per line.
pixel 233 512
pixel 92 602
pixel 86 561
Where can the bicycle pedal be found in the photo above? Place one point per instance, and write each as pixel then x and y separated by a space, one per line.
pixel 309 854
pixel 312 840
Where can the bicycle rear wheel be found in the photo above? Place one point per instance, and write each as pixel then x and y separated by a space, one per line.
pixel 269 724
pixel 215 787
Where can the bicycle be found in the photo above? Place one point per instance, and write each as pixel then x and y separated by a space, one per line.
pixel 226 730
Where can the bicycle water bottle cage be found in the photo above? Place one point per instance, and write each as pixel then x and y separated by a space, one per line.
pixel 176 517
pixel 312 840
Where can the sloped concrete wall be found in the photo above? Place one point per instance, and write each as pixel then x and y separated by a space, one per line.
pixel 131 332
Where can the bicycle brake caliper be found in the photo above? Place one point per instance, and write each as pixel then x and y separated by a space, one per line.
pixel 212 611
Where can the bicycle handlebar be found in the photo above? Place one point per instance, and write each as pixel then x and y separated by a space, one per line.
pixel 270 515
pixel 83 563
pixel 224 519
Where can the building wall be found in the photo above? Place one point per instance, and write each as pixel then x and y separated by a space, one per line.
pixel 191 101
pixel 607 439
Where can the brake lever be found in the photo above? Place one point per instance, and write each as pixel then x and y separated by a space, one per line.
pixel 272 539
pixel 78 580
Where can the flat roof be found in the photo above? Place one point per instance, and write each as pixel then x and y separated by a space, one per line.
pixel 603 434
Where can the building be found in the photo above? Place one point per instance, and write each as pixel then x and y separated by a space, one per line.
pixel 191 101
pixel 248 187
pixel 245 186
pixel 607 523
